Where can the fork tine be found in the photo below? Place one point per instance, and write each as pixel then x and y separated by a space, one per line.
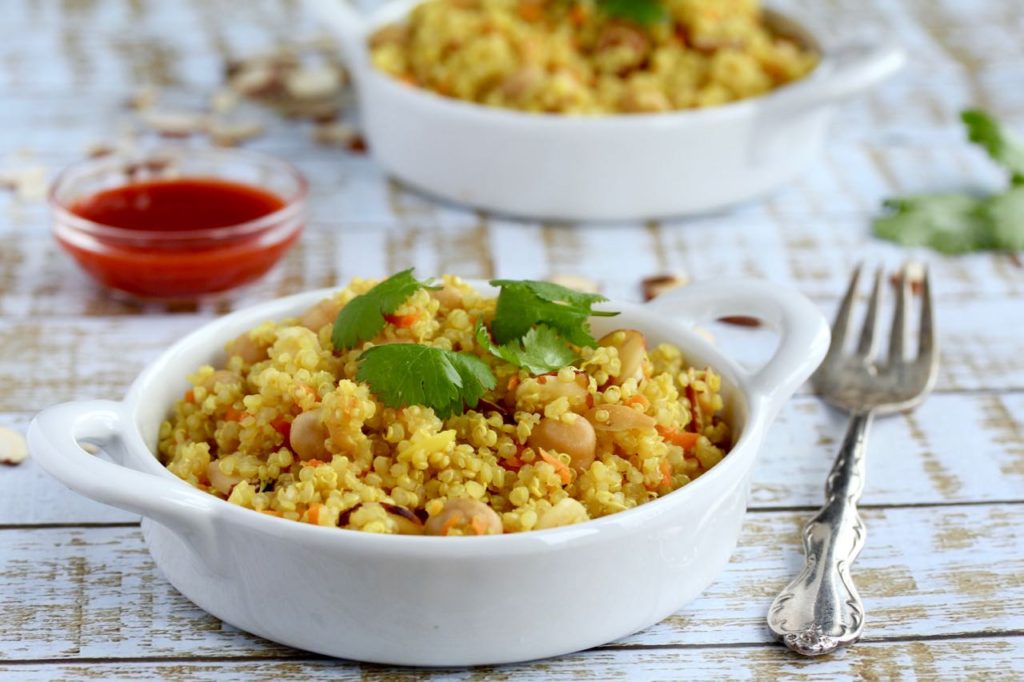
pixel 926 347
pixel 841 325
pixel 898 338
pixel 867 333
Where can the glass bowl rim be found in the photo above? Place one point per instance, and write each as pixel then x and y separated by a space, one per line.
pixel 293 207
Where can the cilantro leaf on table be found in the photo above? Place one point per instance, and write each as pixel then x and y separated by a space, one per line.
pixel 643 12
pixel 961 222
pixel 1002 145
pixel 525 303
pixel 362 318
pixel 402 374
pixel 1005 212
pixel 541 350
pixel 950 223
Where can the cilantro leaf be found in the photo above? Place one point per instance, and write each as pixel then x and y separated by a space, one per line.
pixel 541 350
pixel 643 12
pixel 362 318
pixel 402 374
pixel 1005 212
pixel 950 223
pixel 1002 145
pixel 525 303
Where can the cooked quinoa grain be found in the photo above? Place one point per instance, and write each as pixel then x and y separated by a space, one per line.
pixel 567 56
pixel 286 429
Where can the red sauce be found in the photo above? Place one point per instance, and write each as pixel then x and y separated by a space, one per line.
pixel 148 246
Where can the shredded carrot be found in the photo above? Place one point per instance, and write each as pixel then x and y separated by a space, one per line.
pixel 190 396
pixel 684 439
pixel 562 470
pixel 666 474
pixel 578 15
pixel 312 463
pixel 530 10
pixel 282 426
pixel 402 321
pixel 271 512
pixel 513 382
pixel 313 514
pixel 451 522
pixel 637 399
pixel 234 415
pixel 479 524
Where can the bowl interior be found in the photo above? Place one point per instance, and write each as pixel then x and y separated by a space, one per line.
pixel 153 394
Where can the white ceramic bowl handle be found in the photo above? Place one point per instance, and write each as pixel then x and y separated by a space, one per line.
pixel 349 26
pixel 803 331
pixel 53 440
pixel 857 66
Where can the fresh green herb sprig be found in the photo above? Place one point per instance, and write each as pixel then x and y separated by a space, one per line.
pixel 643 12
pixel 955 223
pixel 541 350
pixel 535 326
pixel 362 318
pixel 403 374
pixel 523 304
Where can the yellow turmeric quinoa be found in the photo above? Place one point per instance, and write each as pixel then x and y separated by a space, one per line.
pixel 286 429
pixel 570 57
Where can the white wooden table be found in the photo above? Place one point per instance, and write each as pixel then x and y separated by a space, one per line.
pixel 941 573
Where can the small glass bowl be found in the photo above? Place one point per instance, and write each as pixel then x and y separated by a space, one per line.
pixel 180 264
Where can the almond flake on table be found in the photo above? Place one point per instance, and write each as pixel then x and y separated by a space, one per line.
pixel 314 83
pixel 233 133
pixel 175 123
pixel 656 285
pixel 13 448
pixel 28 183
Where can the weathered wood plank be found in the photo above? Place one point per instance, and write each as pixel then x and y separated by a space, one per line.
pixel 953 449
pixel 995 658
pixel 925 572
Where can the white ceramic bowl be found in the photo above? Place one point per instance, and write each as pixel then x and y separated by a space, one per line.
pixel 436 600
pixel 620 167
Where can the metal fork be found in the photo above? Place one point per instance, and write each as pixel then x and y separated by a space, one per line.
pixel 820 610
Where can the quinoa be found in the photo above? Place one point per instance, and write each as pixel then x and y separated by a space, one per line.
pixel 289 431
pixel 568 57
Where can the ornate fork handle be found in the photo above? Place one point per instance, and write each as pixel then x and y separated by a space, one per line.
pixel 820 610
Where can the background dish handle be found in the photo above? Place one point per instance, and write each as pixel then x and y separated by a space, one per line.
pixel 53 440
pixel 803 331
pixel 847 70
pixel 348 24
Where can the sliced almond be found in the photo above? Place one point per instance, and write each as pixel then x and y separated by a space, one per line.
pixel 233 133
pixel 13 448
pixel 618 418
pixel 174 123
pixel 656 285
pixel 313 83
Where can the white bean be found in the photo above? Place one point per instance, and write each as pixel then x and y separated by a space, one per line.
pixel 308 435
pixel 470 517
pixel 576 439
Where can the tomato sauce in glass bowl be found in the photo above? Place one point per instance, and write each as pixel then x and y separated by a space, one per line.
pixel 178 223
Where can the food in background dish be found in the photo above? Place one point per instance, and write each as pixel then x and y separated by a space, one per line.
pixel 416 408
pixel 576 57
